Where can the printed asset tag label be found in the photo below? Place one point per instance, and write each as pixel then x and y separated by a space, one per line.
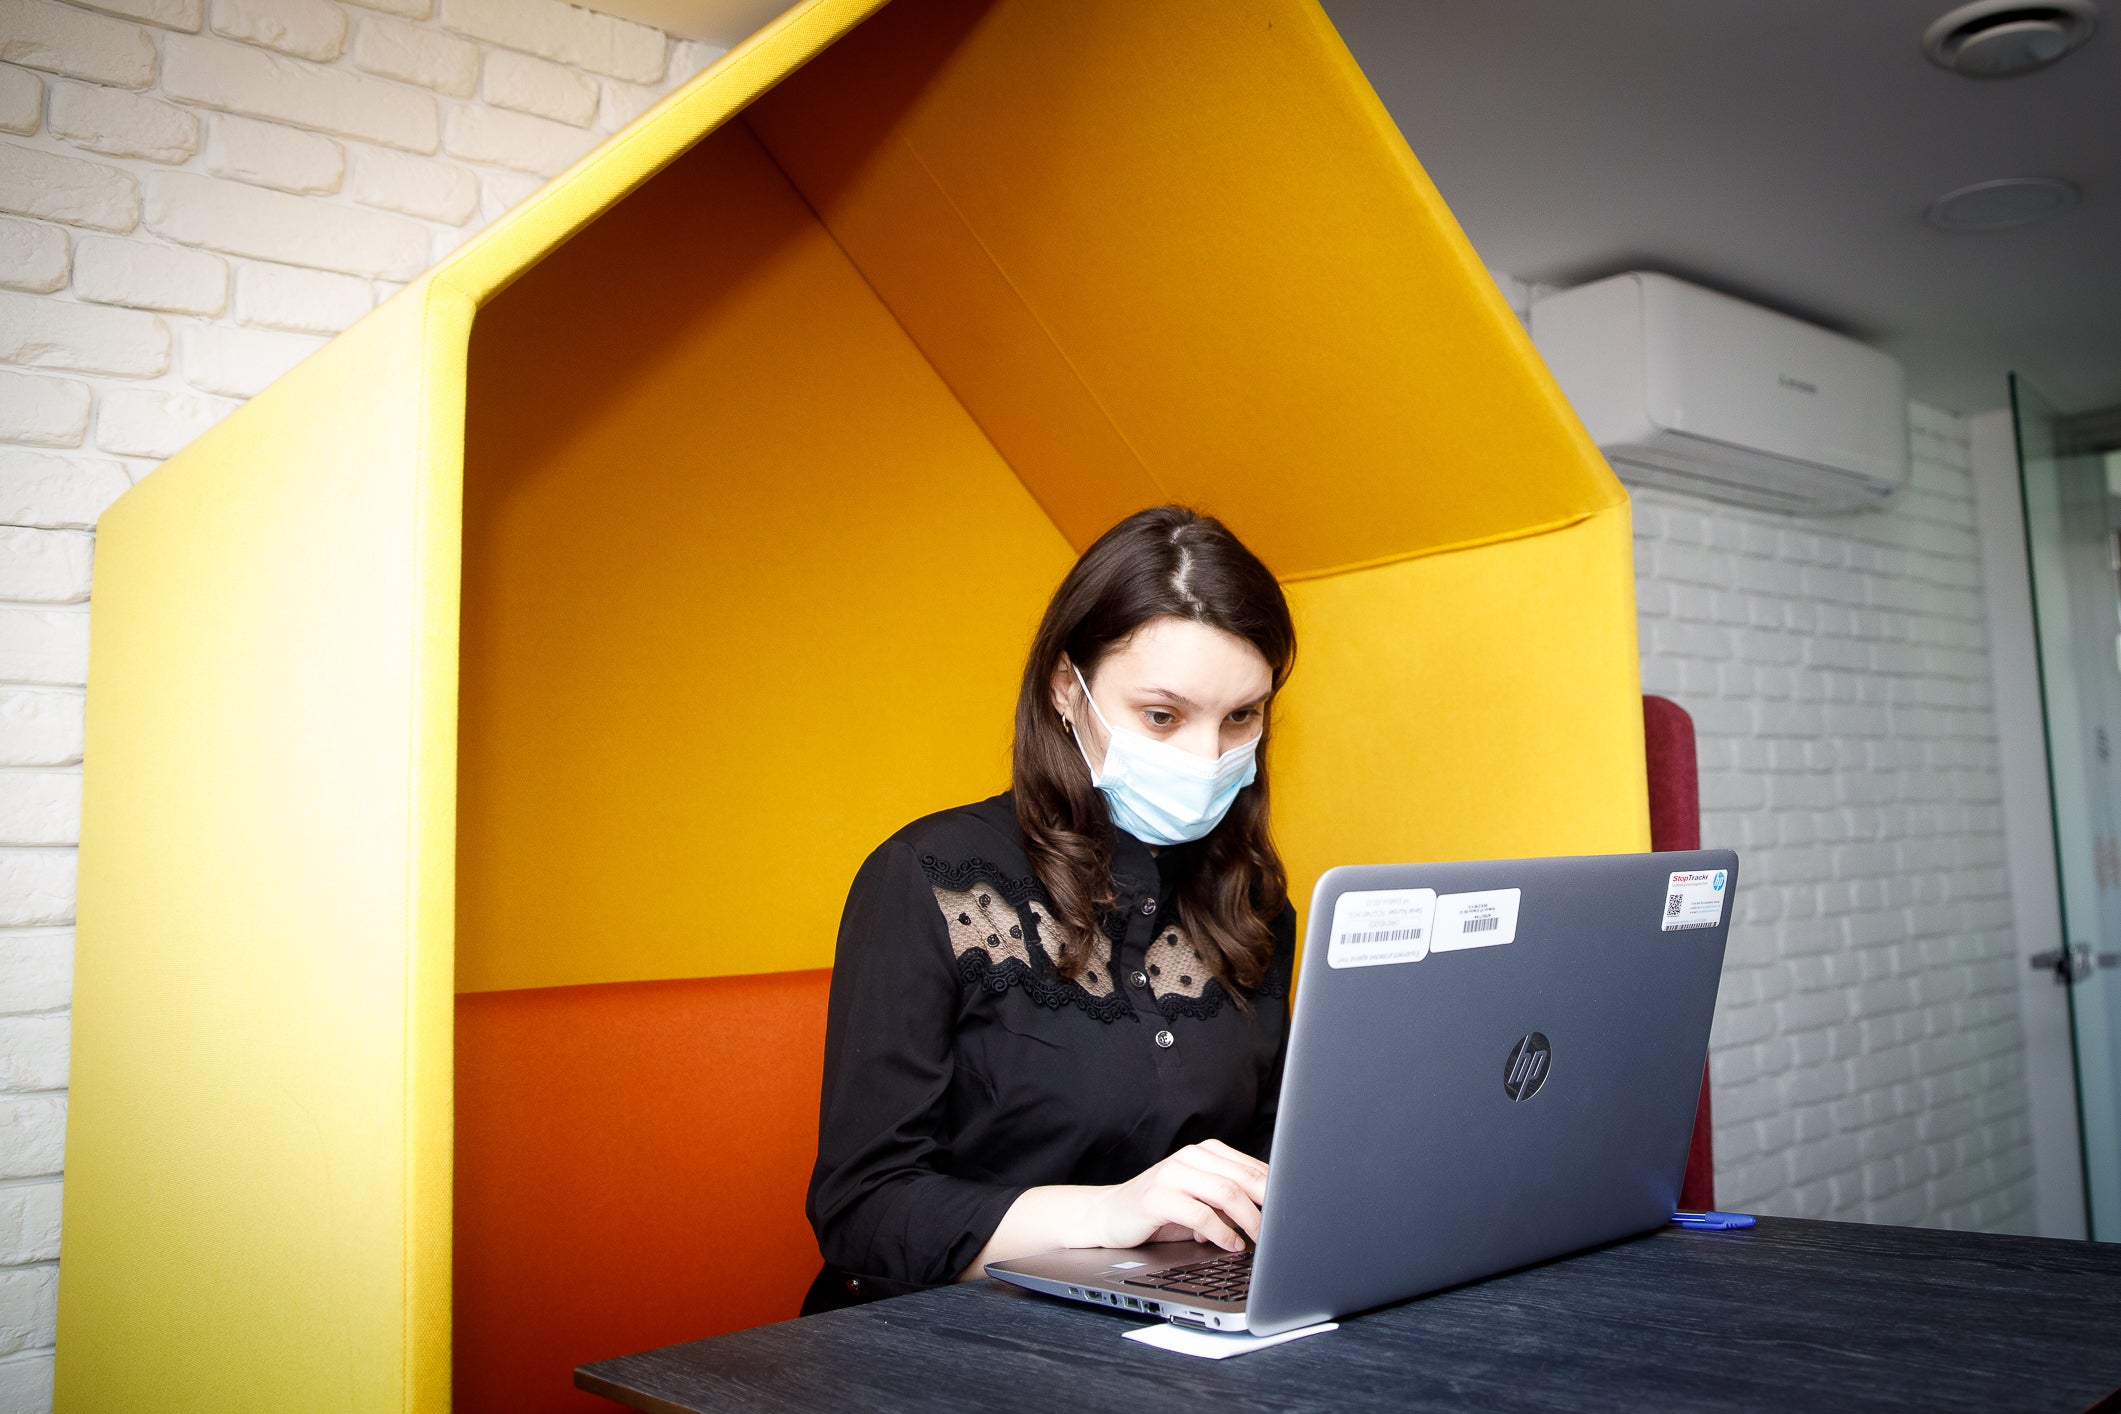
pixel 1695 900
pixel 1372 927
pixel 1485 919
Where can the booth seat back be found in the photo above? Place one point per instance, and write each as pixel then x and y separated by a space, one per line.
pixel 631 1161
pixel 1675 823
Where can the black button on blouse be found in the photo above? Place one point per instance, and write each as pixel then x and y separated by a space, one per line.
pixel 960 1069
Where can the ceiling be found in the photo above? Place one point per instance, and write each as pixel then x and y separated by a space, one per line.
pixel 1783 153
pixel 722 22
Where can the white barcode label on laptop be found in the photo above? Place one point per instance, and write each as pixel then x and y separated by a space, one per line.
pixel 1695 900
pixel 1376 926
pixel 1485 919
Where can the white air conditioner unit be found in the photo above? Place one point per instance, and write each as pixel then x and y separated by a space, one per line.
pixel 1693 391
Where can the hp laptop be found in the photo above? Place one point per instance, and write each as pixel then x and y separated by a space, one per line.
pixel 1490 1064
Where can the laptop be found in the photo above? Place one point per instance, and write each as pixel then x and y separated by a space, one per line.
pixel 1490 1064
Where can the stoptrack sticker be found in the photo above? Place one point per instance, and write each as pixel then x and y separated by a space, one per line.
pixel 1373 927
pixel 1695 900
pixel 1486 919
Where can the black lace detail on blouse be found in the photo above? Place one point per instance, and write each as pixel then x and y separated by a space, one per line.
pixel 995 922
pixel 959 878
pixel 1175 1005
pixel 976 969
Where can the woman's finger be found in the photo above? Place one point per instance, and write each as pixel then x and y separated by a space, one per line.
pixel 1238 1156
pixel 1235 1204
pixel 1207 1224
pixel 1251 1178
pixel 1219 1191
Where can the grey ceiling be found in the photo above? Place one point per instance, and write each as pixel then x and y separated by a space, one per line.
pixel 722 22
pixel 1781 150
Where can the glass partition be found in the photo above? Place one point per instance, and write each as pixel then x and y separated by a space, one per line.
pixel 2071 479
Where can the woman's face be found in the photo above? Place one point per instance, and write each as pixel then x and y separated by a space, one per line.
pixel 1174 680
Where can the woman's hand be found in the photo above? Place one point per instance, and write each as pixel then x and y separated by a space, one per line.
pixel 1208 1192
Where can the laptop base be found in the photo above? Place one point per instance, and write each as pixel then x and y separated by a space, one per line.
pixel 1112 1278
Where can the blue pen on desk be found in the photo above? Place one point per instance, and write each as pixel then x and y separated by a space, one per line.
pixel 1712 1222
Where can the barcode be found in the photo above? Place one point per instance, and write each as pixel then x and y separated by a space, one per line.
pixel 1481 925
pixel 1388 935
pixel 1671 906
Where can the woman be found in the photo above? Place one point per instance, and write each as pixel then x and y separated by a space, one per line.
pixel 1058 1016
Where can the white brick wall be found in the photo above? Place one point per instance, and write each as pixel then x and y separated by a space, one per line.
pixel 193 195
pixel 1867 1058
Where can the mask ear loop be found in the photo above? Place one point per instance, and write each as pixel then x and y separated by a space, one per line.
pixel 1087 699
pixel 1081 749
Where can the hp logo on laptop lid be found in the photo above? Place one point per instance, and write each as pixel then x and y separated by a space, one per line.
pixel 1527 1068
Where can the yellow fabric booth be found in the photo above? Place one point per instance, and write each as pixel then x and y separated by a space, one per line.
pixel 579 619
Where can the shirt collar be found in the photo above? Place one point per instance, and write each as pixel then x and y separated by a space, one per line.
pixel 1134 869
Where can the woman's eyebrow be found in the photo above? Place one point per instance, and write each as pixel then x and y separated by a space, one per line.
pixel 1190 705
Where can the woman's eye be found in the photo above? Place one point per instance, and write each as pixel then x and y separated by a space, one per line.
pixel 1244 714
pixel 1158 717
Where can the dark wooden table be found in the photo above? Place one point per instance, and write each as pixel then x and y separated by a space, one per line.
pixel 1790 1315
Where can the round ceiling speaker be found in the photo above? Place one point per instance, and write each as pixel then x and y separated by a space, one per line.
pixel 2001 204
pixel 1998 39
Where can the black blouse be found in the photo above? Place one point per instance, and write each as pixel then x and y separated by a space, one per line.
pixel 961 1070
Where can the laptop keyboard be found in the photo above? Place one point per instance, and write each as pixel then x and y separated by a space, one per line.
pixel 1224 1278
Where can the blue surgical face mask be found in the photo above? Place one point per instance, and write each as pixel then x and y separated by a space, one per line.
pixel 1159 793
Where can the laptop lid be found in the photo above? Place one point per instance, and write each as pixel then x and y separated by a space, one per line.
pixel 1490 1064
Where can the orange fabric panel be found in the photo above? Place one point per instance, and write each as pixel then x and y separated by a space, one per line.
pixel 631 1160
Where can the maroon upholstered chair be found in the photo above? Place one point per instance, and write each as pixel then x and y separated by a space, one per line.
pixel 1675 823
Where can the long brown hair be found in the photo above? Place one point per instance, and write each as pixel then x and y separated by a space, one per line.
pixel 1167 562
